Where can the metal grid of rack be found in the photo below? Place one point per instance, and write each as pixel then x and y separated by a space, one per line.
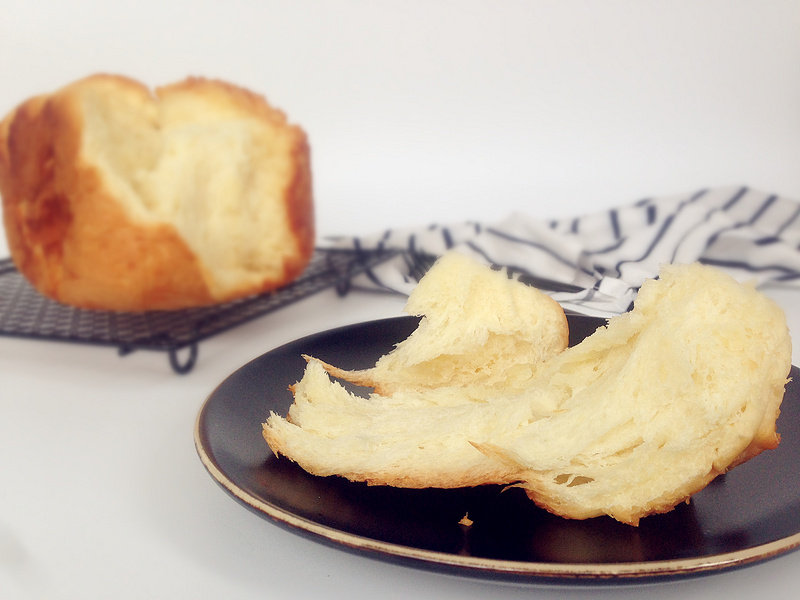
pixel 25 313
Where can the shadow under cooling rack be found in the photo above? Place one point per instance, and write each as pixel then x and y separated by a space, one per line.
pixel 25 313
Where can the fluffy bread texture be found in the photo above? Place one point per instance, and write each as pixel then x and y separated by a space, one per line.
pixel 653 407
pixel 630 422
pixel 119 198
pixel 479 330
pixel 481 333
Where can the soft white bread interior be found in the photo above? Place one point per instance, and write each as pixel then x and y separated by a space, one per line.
pixel 651 408
pixel 481 333
pixel 630 422
pixel 479 329
pixel 118 197
pixel 412 439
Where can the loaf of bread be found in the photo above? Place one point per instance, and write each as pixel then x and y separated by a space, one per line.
pixel 117 197
pixel 630 422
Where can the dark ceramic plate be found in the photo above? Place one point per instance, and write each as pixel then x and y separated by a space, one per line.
pixel 750 514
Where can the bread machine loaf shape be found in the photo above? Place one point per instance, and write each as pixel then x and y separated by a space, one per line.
pixel 117 197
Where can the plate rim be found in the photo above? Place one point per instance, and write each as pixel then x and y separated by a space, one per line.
pixel 518 571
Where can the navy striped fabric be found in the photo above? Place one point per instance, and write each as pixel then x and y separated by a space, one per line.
pixel 596 263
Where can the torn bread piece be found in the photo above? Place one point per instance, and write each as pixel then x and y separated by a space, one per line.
pixel 412 439
pixel 479 329
pixel 651 408
pixel 630 422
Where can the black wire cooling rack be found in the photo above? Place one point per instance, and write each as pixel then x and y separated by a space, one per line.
pixel 25 313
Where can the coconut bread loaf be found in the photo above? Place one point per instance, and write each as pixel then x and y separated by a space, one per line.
pixel 630 422
pixel 117 197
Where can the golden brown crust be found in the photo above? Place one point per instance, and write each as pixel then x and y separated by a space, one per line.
pixel 73 241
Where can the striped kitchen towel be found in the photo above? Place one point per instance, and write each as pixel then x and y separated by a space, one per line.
pixel 595 264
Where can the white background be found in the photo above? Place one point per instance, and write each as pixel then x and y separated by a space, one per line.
pixel 416 112
pixel 454 110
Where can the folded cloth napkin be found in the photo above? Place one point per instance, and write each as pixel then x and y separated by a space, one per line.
pixel 595 264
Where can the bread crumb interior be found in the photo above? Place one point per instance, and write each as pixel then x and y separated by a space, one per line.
pixel 217 174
